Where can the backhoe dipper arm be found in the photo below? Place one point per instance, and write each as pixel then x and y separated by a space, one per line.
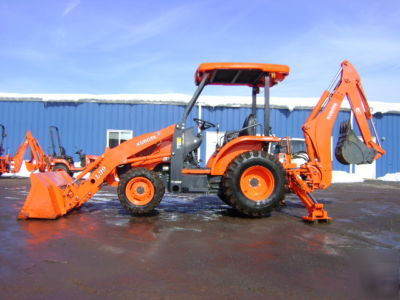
pixel 318 128
pixel 19 156
pixel 317 173
pixel 38 160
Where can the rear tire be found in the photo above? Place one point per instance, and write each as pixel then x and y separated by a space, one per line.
pixel 254 183
pixel 140 190
pixel 62 167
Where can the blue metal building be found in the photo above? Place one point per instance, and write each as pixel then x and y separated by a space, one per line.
pixel 84 124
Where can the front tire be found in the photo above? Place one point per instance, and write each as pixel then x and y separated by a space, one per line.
pixel 224 199
pixel 254 183
pixel 140 190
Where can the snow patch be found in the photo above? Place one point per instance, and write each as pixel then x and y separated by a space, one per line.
pixel 344 177
pixel 390 177
pixel 289 103
pixel 22 173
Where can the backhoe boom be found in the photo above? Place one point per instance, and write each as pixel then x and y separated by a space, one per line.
pixel 317 173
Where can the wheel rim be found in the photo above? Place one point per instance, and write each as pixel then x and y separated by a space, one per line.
pixel 257 183
pixel 139 190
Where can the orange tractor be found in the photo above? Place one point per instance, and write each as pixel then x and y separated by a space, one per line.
pixel 63 162
pixel 241 170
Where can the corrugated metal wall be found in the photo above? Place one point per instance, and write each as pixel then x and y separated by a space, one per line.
pixel 84 125
pixel 388 127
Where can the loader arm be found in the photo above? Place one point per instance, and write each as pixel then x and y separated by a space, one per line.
pixel 317 173
pixel 53 194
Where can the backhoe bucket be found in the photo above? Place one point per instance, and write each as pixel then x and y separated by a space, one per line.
pixel 46 199
pixel 350 149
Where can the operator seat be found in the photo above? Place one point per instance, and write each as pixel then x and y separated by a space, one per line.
pixel 250 121
pixel 246 130
pixel 63 155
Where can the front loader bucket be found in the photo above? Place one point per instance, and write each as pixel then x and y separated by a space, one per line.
pixel 350 149
pixel 46 199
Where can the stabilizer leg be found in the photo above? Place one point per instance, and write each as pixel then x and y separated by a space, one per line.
pixel 316 211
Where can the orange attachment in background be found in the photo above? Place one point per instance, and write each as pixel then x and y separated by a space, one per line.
pixel 38 160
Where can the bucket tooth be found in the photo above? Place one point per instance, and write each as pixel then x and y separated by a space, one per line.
pixel 350 149
pixel 46 199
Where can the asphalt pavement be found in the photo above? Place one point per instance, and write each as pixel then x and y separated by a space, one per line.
pixel 196 247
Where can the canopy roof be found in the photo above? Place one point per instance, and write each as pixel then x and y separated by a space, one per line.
pixel 250 74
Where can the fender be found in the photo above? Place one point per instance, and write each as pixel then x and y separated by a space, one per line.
pixel 220 160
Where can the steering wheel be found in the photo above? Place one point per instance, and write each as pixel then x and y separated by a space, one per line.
pixel 203 124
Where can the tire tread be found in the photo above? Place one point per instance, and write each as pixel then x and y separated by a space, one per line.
pixel 233 194
pixel 158 186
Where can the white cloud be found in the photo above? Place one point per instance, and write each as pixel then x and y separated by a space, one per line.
pixel 125 35
pixel 72 4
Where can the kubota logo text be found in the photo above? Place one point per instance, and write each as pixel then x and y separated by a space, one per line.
pixel 101 172
pixel 146 140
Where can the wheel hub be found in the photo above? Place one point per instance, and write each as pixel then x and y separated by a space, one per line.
pixel 254 182
pixel 257 183
pixel 140 190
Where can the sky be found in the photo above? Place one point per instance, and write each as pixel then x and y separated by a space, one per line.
pixel 113 47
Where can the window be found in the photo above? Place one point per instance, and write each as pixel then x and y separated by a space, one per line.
pixel 296 145
pixel 116 137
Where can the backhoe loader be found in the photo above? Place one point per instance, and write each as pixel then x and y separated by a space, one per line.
pixel 63 162
pixel 241 170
